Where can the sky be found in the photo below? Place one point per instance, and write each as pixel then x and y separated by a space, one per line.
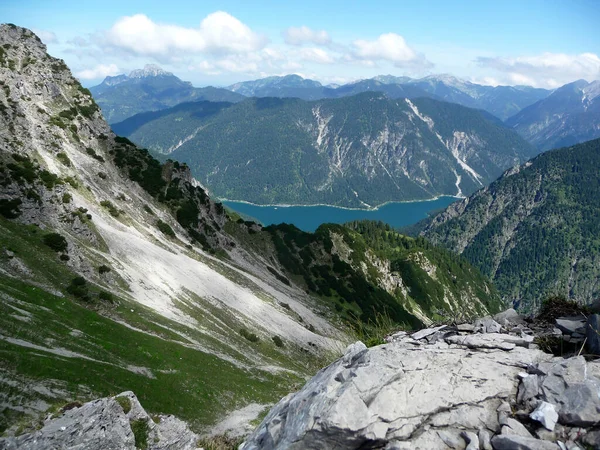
pixel 526 42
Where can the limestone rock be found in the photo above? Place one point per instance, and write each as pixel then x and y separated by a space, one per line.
pixel 401 396
pixel 487 325
pixel 104 425
pixel 571 325
pixel 514 442
pixel 546 415
pixel 509 318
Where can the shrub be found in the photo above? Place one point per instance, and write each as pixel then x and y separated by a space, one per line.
pixel 64 257
pixel 125 403
pixel 165 228
pixel 140 433
pixel 79 289
pixel 112 209
pixel 148 210
pixel 106 296
pixel 64 159
pixel 56 242
pixel 249 336
pixel 66 198
pixel 278 341
pixel 103 269
pixel 10 208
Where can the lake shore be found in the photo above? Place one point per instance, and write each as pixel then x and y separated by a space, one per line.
pixel 373 208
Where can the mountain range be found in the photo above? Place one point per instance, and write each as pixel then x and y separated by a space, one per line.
pixel 534 231
pixel 359 151
pixel 150 89
pixel 118 272
pixel 569 115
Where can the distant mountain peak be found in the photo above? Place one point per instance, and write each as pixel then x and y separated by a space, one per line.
pixel 150 70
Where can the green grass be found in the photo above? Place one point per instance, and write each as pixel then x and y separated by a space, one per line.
pixel 196 386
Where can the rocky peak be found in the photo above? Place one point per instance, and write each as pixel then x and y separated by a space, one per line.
pixel 150 70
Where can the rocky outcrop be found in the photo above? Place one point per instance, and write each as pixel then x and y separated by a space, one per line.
pixel 113 423
pixel 442 388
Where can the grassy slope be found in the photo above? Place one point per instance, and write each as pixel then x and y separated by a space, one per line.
pixel 194 385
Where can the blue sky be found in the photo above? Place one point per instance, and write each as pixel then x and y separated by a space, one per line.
pixel 540 43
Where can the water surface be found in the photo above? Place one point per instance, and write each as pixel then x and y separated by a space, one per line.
pixel 308 218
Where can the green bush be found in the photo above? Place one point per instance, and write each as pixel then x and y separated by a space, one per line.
pixel 278 341
pixel 103 269
pixel 140 433
pixel 125 403
pixel 66 198
pixel 79 289
pixel 112 209
pixel 56 242
pixel 10 208
pixel 165 228
pixel 249 336
pixel 105 296
pixel 64 159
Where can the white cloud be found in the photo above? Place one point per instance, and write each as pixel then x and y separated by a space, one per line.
pixel 219 33
pixel 100 71
pixel 304 35
pixel 47 37
pixel 316 55
pixel 548 70
pixel 388 47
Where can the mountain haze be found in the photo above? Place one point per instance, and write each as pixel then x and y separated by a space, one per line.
pixel 359 151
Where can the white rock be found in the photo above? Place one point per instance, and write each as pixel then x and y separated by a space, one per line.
pixel 546 415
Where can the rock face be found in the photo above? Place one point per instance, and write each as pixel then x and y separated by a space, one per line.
pixel 440 388
pixel 107 424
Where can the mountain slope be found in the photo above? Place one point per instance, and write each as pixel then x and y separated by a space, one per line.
pixel 571 114
pixel 355 151
pixel 118 272
pixel 535 230
pixel 150 89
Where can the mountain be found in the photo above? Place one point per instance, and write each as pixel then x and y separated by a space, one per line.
pixel 120 273
pixel 570 115
pixel 535 230
pixel 286 86
pixel 150 89
pixel 501 101
pixel 357 151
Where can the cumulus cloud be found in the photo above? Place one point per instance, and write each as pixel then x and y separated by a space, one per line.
pixel 219 33
pixel 100 71
pixel 388 47
pixel 47 37
pixel 305 35
pixel 548 70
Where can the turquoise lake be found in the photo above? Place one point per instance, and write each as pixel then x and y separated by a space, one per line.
pixel 308 218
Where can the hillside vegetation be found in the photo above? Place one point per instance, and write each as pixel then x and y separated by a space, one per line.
pixel 535 231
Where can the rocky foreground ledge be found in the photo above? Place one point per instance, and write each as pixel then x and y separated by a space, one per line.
pixel 475 386
pixel 484 385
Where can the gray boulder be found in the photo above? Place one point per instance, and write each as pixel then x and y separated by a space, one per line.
pixel 104 425
pixel 399 395
pixel 592 330
pixel 571 325
pixel 509 318
pixel 514 442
